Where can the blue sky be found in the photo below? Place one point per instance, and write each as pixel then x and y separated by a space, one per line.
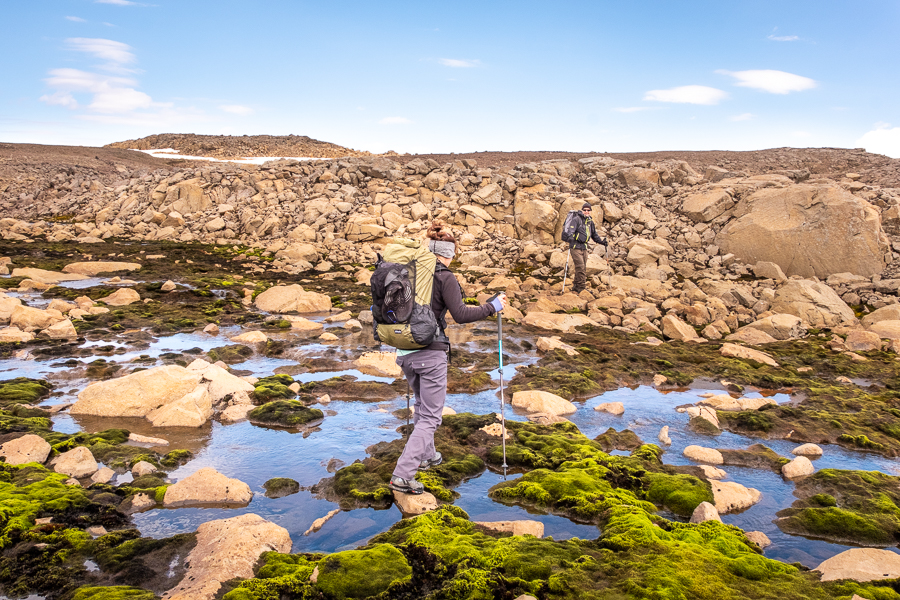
pixel 457 76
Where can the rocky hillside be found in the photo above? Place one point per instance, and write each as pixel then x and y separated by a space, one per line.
pixel 239 146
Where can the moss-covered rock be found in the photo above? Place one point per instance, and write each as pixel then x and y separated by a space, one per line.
pixel 756 456
pixel 284 413
pixel 356 574
pixel 113 593
pixel 273 387
pixel 619 440
pixel 230 354
pixel 23 390
pixel 279 487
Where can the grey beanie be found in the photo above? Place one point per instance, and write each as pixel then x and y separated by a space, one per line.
pixel 445 249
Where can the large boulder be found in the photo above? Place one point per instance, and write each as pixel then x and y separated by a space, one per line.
pixel 535 401
pixel 191 410
pixel 535 219
pixel 886 329
pixel 816 303
pixel 25 449
pixel 137 394
pixel 27 318
pixel 557 322
pixel 861 564
pixel 207 487
pixel 781 326
pixel 706 206
pixel 218 381
pixel 94 268
pixel 799 467
pixel 43 276
pixel 807 230
pixel 676 329
pixel 891 312
pixel 7 305
pixel 122 297
pixel 643 252
pixel 227 549
pixel 292 298
pixel 379 363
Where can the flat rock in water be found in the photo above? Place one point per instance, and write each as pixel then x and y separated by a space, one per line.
pixel 191 410
pixel 251 337
pixel 861 564
pixel 227 549
pixel 145 439
pixel 25 449
pixel 613 408
pixel 799 467
pixel 122 297
pixel 711 472
pixel 705 455
pixel 94 268
pixel 219 381
pixel 318 523
pixel 143 468
pixel 535 401
pixel 42 276
pixel 730 496
pixel 415 504
pixel 735 351
pixel 807 450
pixel 379 363
pixel 522 527
pixel 546 344
pixel 207 487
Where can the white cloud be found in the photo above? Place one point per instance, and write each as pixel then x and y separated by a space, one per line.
pixel 76 19
pixel 768 80
pixel 884 139
pixel 784 38
pixel 458 63
pixel 109 94
pixel 634 109
pixel 115 53
pixel 742 117
pixel 394 121
pixel 117 2
pixel 60 99
pixel 688 94
pixel 237 109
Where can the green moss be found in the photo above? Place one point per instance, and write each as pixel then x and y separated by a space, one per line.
pixel 113 593
pixel 680 493
pixel 362 573
pixel 280 576
pixel 273 387
pixel 231 354
pixel 284 413
pixel 279 487
pixel 756 456
pixel 176 458
pixel 23 390
pixel 619 440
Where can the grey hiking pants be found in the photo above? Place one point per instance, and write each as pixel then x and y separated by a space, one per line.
pixel 426 372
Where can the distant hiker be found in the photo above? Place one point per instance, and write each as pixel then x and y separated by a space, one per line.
pixel 399 324
pixel 577 230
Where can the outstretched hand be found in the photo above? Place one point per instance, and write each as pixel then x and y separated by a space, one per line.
pixel 499 302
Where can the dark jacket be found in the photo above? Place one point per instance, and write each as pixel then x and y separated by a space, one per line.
pixel 586 231
pixel 447 296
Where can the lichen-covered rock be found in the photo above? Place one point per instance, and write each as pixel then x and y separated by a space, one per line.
pixel 77 462
pixel 535 401
pixel 207 487
pixel 278 487
pixel 227 549
pixel 25 449
pixel 731 496
pixel 122 297
pixel 292 298
pixel 137 394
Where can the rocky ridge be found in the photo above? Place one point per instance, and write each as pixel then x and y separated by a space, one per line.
pixel 238 146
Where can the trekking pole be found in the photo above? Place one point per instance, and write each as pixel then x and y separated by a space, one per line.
pixel 502 402
pixel 407 407
pixel 566 272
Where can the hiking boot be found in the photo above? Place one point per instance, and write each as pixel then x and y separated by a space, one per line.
pixel 406 486
pixel 431 462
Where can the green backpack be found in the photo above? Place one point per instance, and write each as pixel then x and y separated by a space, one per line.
pixel 402 286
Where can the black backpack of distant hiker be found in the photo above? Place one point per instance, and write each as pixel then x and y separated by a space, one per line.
pixel 402 285
pixel 571 226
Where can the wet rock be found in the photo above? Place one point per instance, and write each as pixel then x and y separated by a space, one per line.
pixel 27 318
pixel 613 408
pixel 706 414
pixel 279 487
pixel 353 325
pixel 251 337
pixel 292 298
pixel 211 329
pixel 122 297
pixel 816 303
pixel 731 497
pixel 137 503
pixel 340 317
pixel 14 335
pixel 51 277
pixel 521 527
pixel 799 467
pixel 304 326
pixel 227 549
pixel 415 504
pixel 320 522
pixel 207 487
pixel 137 394
pixel 328 337
pixel 235 413
pixel 25 449
pixel 534 401
pixel 103 475
pixel 191 410
pixel 758 538
pixel 659 380
pixel 711 472
pixel 705 455
pixel 808 450
pixel 142 468
pixel 77 462
pixel 861 564
pixel 705 512
pixel 546 344
pixel 676 329
pixel 664 435
pixel 742 352
pixel 219 381
pixel 63 330
pixel 144 439
pixel 92 269
pixel 379 363
pixel 169 286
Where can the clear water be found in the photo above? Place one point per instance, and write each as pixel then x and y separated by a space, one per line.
pixel 255 454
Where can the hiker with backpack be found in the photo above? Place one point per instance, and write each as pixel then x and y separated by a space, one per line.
pixel 578 229
pixel 412 291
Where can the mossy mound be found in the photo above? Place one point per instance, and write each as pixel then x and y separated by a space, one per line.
pixel 467 382
pixel 273 387
pixel 757 456
pixel 284 413
pixel 858 507
pixel 23 390
pixel 113 593
pixel 619 440
pixel 354 574
pixel 231 354
pixel 279 487
pixel 346 387
pixel 124 558
pixel 279 576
